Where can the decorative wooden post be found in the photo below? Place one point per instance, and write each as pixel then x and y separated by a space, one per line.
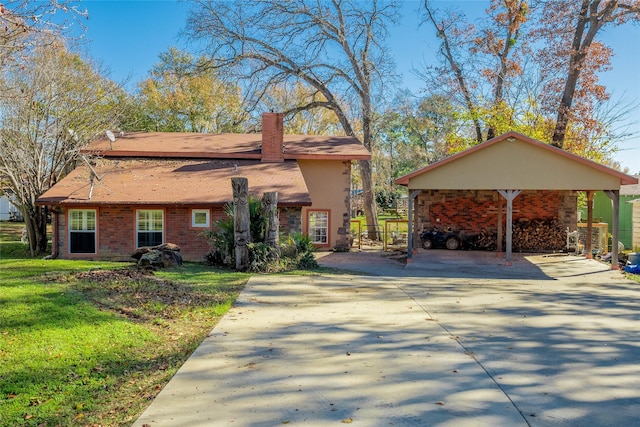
pixel 270 212
pixel 241 221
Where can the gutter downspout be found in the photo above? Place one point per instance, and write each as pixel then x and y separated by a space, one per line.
pixel 55 252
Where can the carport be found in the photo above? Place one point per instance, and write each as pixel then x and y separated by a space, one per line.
pixel 512 163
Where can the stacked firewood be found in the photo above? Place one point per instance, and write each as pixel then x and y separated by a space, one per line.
pixel 486 241
pixel 528 236
pixel 538 236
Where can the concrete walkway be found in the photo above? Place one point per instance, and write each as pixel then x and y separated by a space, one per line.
pixel 424 345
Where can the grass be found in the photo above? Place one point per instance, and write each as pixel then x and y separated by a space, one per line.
pixel 87 343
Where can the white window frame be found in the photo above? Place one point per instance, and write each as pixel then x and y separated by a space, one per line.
pixel 148 219
pixel 314 229
pixel 195 212
pixel 83 226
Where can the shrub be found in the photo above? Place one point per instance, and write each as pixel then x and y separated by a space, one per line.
pixel 263 258
pixel 296 250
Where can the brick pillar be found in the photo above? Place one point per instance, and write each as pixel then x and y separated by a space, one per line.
pixel 272 138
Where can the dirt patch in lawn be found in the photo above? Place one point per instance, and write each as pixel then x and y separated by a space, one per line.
pixel 139 294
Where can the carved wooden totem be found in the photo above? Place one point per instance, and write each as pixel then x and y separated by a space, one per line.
pixel 270 211
pixel 241 221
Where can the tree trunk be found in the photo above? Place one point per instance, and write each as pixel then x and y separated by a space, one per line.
pixel 241 220
pixel 590 20
pixel 35 221
pixel 447 51
pixel 370 210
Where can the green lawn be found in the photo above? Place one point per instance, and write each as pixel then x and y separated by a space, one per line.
pixel 91 343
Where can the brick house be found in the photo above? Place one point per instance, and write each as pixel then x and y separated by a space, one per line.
pixel 149 188
pixel 509 178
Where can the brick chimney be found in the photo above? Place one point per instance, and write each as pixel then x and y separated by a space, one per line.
pixel 272 138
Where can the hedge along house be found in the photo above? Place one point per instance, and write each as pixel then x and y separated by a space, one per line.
pixel 507 179
pixel 145 189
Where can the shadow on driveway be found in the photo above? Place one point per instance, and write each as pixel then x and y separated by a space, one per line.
pixel 405 347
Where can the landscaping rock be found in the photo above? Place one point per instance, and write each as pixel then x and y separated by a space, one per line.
pixel 166 255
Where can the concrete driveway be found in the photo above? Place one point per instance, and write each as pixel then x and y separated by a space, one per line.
pixel 463 341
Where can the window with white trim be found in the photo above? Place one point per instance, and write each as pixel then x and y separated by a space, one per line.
pixel 149 227
pixel 200 218
pixel 82 231
pixel 319 227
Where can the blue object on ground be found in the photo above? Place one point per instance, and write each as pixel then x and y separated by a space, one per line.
pixel 635 269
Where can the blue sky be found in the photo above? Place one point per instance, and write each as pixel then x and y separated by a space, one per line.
pixel 126 37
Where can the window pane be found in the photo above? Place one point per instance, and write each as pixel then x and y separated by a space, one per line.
pixel 200 218
pixel 82 242
pixel 318 227
pixel 149 239
pixel 82 231
pixel 157 221
pixel 90 220
pixel 150 227
pixel 149 220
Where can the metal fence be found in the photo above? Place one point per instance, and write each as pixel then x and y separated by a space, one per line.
pixel 393 236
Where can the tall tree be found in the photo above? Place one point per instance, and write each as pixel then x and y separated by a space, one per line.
pixel 532 67
pixel 577 52
pixel 478 63
pixel 336 47
pixel 52 105
pixel 293 98
pixel 181 96
pixel 23 22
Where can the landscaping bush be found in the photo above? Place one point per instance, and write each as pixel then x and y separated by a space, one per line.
pixel 295 251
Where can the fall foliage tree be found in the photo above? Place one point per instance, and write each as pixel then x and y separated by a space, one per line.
pixel 575 56
pixel 24 22
pixel 532 67
pixel 52 104
pixel 335 47
pixel 293 98
pixel 479 64
pixel 181 96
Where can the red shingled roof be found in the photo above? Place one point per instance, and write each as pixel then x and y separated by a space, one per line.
pixel 227 145
pixel 184 181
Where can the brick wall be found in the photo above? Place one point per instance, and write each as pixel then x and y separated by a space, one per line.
pixel 116 233
pixel 178 230
pixel 474 211
pixel 272 137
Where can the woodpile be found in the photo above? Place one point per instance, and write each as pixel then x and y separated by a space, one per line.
pixel 528 236
pixel 538 236
pixel 486 241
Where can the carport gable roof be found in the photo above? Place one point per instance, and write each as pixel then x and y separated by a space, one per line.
pixel 515 161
